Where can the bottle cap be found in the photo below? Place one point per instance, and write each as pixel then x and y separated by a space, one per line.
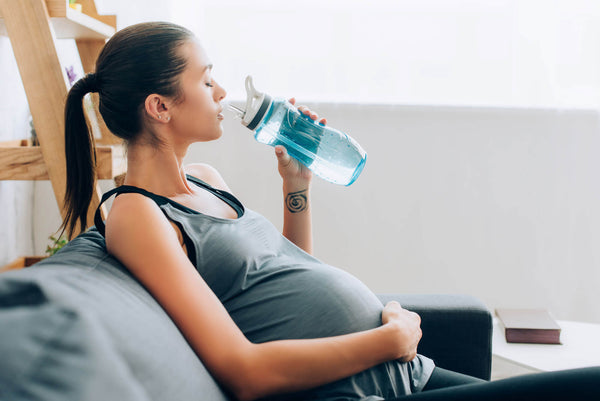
pixel 257 104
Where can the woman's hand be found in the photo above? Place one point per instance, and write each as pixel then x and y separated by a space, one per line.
pixel 306 111
pixel 290 169
pixel 407 326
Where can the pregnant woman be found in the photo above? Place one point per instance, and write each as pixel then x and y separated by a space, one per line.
pixel 265 317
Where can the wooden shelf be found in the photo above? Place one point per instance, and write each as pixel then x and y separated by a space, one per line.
pixel 71 24
pixel 19 162
pixel 33 27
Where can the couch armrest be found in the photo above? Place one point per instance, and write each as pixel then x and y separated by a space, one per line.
pixel 457 331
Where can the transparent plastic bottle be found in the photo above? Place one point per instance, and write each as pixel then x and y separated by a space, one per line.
pixel 329 153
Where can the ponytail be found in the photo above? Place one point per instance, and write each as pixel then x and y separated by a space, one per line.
pixel 81 157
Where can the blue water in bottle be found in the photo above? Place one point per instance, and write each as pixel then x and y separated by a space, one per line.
pixel 329 153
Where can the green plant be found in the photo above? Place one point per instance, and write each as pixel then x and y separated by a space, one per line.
pixel 57 243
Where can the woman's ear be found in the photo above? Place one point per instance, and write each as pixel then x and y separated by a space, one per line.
pixel 157 108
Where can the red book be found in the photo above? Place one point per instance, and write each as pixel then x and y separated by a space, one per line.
pixel 529 326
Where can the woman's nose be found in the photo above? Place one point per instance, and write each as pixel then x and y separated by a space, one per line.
pixel 220 93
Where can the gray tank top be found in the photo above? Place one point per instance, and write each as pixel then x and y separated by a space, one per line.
pixel 274 290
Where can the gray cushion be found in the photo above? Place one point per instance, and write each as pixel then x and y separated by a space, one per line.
pixel 78 326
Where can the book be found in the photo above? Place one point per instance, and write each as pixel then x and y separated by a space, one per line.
pixel 534 326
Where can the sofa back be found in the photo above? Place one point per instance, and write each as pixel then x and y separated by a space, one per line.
pixel 78 326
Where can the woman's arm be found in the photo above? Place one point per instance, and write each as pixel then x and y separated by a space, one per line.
pixel 141 237
pixel 297 218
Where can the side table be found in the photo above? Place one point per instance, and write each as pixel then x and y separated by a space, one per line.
pixel 580 348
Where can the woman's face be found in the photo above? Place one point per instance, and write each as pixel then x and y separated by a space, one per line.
pixel 197 118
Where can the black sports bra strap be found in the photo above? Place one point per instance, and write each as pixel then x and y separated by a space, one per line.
pixel 161 200
pixel 223 195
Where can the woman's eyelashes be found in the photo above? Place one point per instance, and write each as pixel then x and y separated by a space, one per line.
pixel 209 84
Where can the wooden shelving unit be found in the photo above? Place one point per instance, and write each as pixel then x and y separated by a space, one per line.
pixel 19 160
pixel 33 27
pixel 70 24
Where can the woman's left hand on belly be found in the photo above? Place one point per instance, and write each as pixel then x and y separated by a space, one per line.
pixel 409 324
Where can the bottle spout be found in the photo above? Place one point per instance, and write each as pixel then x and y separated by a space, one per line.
pixel 238 113
pixel 232 111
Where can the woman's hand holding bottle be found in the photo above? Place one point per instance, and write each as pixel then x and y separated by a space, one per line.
pixel 290 169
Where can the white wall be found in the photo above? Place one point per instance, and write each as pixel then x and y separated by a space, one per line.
pixel 515 53
pixel 503 204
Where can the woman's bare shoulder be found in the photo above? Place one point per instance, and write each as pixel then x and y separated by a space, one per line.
pixel 127 206
pixel 208 174
pixel 135 219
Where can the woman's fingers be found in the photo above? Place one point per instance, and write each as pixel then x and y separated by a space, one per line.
pixel 307 112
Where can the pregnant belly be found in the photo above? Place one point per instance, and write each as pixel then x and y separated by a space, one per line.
pixel 303 301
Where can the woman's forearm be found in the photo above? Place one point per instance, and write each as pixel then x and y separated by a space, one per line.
pixel 294 365
pixel 297 219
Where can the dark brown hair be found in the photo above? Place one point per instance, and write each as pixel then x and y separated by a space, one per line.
pixel 137 61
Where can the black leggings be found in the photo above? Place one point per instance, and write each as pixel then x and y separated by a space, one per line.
pixel 574 384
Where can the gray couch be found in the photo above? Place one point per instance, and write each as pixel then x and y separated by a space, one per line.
pixel 78 326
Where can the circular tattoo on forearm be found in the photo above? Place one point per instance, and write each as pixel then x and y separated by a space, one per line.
pixel 296 201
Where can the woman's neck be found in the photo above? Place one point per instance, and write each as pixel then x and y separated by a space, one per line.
pixel 156 169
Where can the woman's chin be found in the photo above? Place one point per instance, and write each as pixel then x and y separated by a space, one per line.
pixel 216 135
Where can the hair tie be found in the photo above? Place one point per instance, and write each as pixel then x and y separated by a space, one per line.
pixel 91 82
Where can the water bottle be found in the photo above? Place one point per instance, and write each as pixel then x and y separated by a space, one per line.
pixel 329 153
